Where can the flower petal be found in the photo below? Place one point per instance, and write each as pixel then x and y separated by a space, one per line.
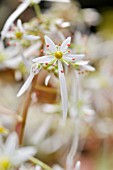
pixel 23 155
pixel 78 165
pixel 52 46
pixel 63 90
pixel 89 68
pixel 64 45
pixel 44 59
pixel 20 26
pixel 82 63
pixel 31 37
pixel 11 143
pixel 47 80
pixel 26 84
pixel 76 56
pixel 13 17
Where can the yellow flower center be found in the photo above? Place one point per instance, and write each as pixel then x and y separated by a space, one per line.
pixel 19 35
pixel 3 130
pixel 58 54
pixel 4 164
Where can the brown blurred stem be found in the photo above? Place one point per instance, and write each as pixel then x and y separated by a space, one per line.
pixel 25 109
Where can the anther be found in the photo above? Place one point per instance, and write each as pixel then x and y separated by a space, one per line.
pixel 68 45
pixel 46 63
pixel 41 51
pixel 69 51
pixel 62 71
pixel 73 58
pixel 47 45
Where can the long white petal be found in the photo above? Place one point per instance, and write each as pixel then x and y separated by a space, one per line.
pixel 76 56
pixel 89 68
pixel 23 155
pixel 82 63
pixel 64 45
pixel 44 59
pixel 51 44
pixel 26 84
pixel 20 26
pixel 31 37
pixel 47 79
pixel 11 143
pixel 13 17
pixel 63 90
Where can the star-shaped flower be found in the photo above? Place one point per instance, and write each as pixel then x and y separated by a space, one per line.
pixel 12 156
pixel 21 8
pixel 18 33
pixel 57 55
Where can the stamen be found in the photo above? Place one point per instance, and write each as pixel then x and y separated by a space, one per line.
pixel 68 45
pixel 73 58
pixel 59 44
pixel 69 51
pixel 46 63
pixel 62 71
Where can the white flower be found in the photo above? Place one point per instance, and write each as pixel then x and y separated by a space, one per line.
pixel 21 8
pixel 11 155
pixel 56 55
pixel 19 33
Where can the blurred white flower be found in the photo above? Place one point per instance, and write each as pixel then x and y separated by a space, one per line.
pixel 18 33
pixel 21 8
pixel 11 155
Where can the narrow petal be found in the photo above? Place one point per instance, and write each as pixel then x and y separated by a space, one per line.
pixel 44 59
pixel 11 143
pixel 63 90
pixel 23 155
pixel 64 45
pixel 51 44
pixel 76 56
pixel 31 37
pixel 26 84
pixel 47 79
pixel 20 26
pixel 82 63
pixel 89 68
pixel 13 17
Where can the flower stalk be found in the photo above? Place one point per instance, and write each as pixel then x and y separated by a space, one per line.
pixel 40 163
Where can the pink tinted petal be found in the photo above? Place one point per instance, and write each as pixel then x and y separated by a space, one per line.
pixel 64 45
pixel 51 44
pixel 63 90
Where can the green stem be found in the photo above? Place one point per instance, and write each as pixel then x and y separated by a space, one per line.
pixel 40 163
pixel 37 10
